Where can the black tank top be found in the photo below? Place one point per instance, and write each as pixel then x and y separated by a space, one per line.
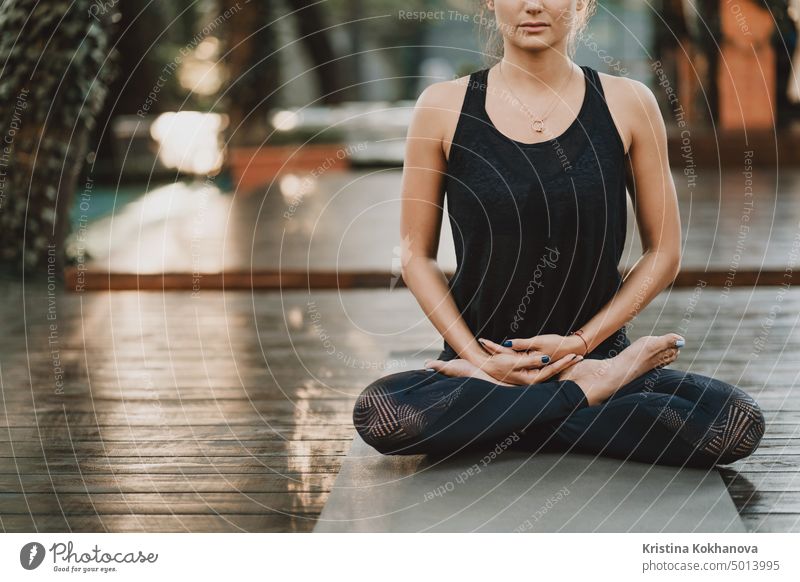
pixel 539 229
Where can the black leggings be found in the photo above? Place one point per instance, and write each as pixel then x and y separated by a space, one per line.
pixel 664 416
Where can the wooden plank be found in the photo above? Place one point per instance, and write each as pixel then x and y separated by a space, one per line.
pixel 143 466
pixel 159 503
pixel 772 522
pixel 342 428
pixel 773 463
pixel 767 501
pixel 172 483
pixel 765 481
pixel 209 523
pixel 262 279
pixel 96 279
pixel 141 418
pixel 170 448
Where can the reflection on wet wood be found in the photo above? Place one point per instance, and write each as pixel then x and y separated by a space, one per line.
pixel 171 413
pixel 232 448
pixel 160 503
pixel 173 407
pixel 288 466
pixel 131 522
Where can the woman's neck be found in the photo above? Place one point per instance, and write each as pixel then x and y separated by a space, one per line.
pixel 536 69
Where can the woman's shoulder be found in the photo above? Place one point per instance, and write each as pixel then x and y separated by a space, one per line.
pixel 632 104
pixel 446 94
pixel 624 89
pixel 439 105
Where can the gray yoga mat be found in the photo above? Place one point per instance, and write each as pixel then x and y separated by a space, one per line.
pixel 508 490
pixel 519 491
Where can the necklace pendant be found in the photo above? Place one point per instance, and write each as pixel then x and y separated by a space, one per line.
pixel 538 125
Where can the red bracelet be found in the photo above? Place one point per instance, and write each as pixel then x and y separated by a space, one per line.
pixel 579 333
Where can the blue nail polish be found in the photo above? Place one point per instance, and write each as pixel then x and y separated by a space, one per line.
pixel 680 343
pixel 507 343
pixel 545 359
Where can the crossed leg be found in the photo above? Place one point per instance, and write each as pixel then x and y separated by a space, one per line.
pixel 669 416
pixel 663 416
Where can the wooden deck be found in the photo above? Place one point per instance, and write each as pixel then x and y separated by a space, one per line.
pixel 231 411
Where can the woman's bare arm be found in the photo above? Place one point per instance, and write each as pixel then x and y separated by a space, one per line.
pixel 422 192
pixel 656 205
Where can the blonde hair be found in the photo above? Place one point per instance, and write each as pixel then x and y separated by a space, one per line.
pixel 493 45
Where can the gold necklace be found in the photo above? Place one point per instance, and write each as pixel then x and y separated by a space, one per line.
pixel 537 123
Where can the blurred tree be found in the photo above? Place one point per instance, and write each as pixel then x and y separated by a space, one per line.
pixel 56 73
pixel 253 53
pixel 675 26
pixel 705 36
pixel 312 26
pixel 252 61
pixel 401 41
pixel 148 36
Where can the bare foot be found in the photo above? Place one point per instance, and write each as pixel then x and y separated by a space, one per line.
pixel 600 379
pixel 462 367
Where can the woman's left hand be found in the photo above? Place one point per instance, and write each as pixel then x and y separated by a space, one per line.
pixel 464 368
pixel 458 367
pixel 555 346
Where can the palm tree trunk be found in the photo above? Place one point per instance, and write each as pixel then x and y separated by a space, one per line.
pixel 54 83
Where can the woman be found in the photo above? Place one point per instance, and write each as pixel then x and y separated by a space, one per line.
pixel 534 154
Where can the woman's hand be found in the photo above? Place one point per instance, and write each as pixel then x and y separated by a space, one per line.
pixel 553 345
pixel 504 369
pixel 459 367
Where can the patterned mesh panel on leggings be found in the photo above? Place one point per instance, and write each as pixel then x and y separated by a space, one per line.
pixel 386 420
pixel 737 435
pixel 734 435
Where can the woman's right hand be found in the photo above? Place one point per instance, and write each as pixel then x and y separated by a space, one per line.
pixel 525 368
